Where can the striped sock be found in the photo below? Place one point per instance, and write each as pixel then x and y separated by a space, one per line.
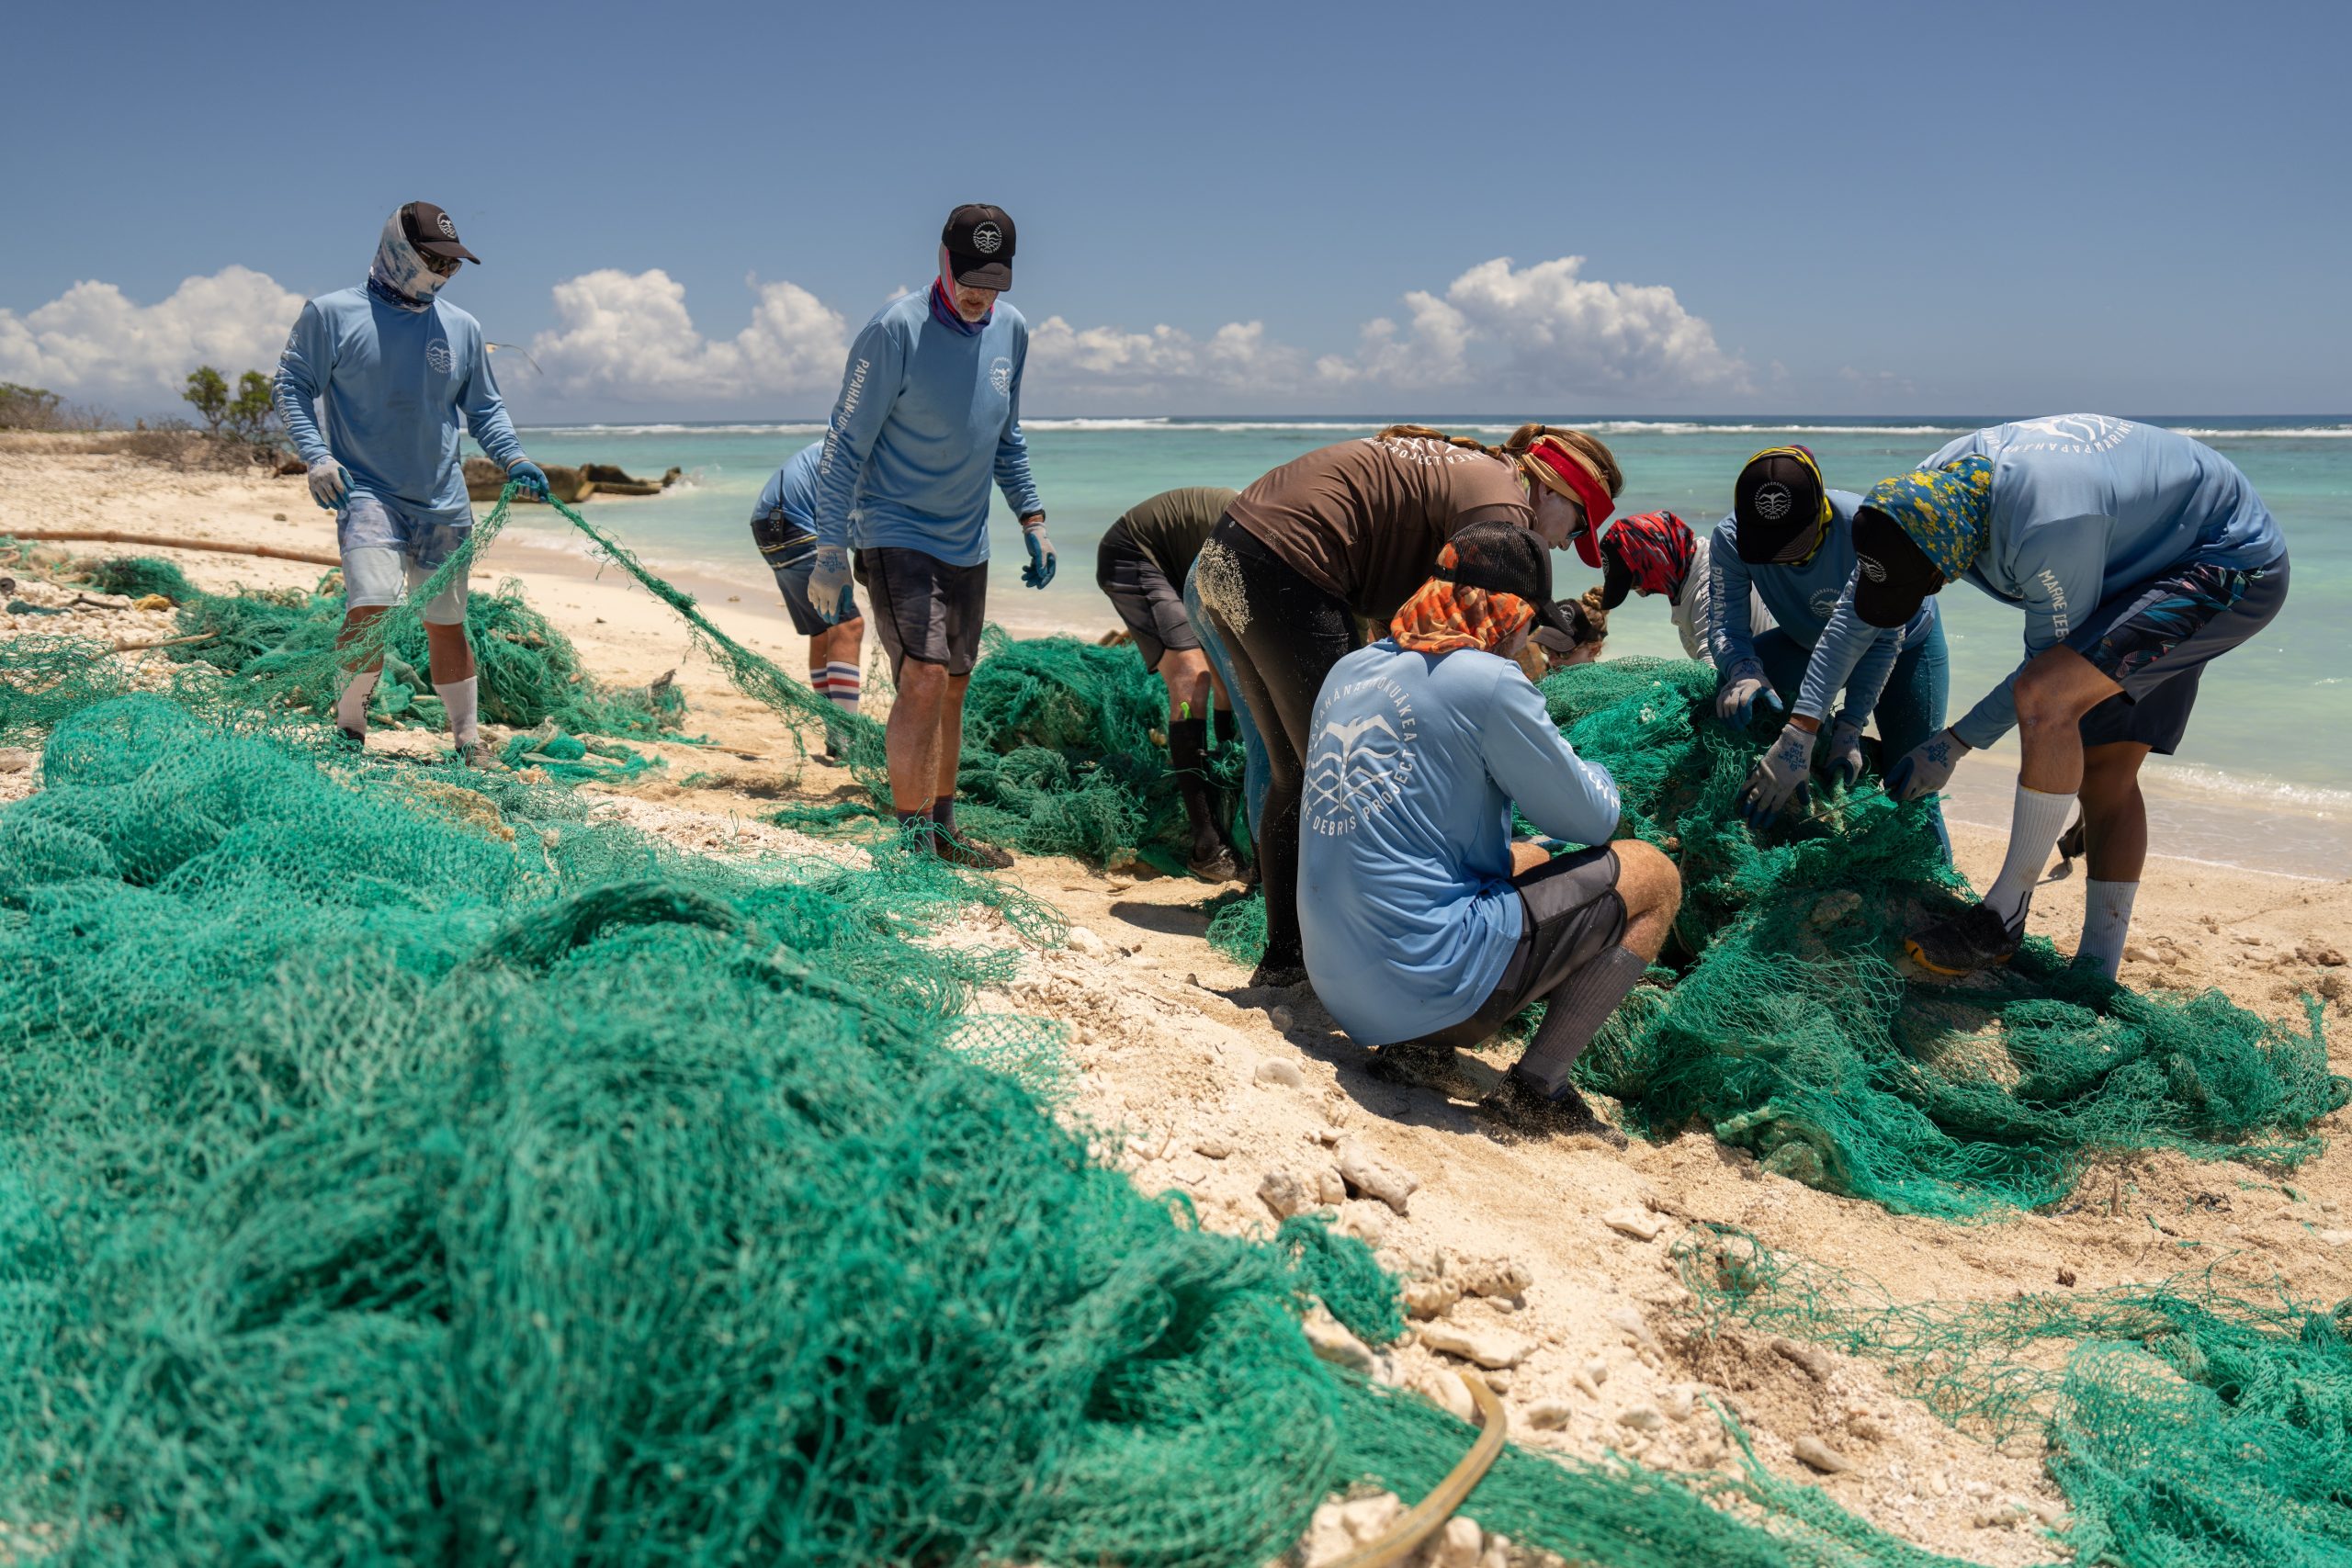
pixel 820 680
pixel 840 684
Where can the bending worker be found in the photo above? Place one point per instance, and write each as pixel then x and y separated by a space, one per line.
pixel 1350 531
pixel 392 372
pixel 1654 553
pixel 1425 927
pixel 1143 557
pixel 783 526
pixel 1792 537
pixel 930 412
pixel 2138 556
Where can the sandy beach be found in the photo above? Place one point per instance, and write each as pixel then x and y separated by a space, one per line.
pixel 1215 1087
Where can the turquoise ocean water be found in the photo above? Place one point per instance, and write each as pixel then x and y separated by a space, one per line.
pixel 2273 729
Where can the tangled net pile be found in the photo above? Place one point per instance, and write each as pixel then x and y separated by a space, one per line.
pixel 397 1171
pixel 530 674
pixel 2186 1425
pixel 1792 1030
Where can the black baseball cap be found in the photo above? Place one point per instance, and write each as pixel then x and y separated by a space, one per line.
pixel 1893 576
pixel 1777 502
pixel 979 245
pixel 1503 558
pixel 434 231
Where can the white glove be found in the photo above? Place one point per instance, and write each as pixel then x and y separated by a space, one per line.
pixel 1735 698
pixel 828 580
pixel 1779 776
pixel 1845 752
pixel 1927 767
pixel 328 486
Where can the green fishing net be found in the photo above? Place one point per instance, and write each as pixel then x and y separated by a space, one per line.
pixel 402 1170
pixel 1791 1028
pixel 2185 1423
pixel 529 674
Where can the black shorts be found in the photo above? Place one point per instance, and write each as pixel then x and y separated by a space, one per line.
pixel 2154 641
pixel 925 609
pixel 1152 607
pixel 1570 914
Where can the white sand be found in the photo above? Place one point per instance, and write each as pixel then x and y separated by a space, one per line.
pixel 1173 1052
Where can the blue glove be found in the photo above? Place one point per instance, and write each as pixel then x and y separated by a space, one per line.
pixel 1845 752
pixel 1735 698
pixel 530 476
pixel 1927 767
pixel 1040 569
pixel 1778 777
pixel 828 582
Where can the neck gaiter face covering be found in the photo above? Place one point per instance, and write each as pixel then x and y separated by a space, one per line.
pixel 399 275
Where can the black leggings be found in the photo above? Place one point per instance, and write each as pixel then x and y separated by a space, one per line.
pixel 1284 634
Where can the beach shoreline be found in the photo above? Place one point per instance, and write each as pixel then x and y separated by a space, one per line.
pixel 1206 1087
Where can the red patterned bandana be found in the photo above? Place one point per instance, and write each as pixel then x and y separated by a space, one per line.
pixel 1445 617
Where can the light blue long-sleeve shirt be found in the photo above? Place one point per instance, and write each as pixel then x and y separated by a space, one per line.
pixel 2083 507
pixel 927 416
pixel 1405 901
pixel 391 389
pixel 791 491
pixel 1804 598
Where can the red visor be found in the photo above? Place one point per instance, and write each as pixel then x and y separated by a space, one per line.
pixel 1589 492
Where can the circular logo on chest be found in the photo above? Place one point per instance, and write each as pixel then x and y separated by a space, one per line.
pixel 436 355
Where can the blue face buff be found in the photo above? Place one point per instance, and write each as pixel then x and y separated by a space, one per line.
pixel 401 277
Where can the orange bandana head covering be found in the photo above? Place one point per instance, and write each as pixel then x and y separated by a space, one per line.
pixel 1444 617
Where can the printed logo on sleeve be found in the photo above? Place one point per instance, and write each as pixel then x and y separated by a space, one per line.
pixel 988 239
pixel 1001 374
pixel 1356 767
pixel 436 355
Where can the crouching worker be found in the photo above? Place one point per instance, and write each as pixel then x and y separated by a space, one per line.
pixel 1425 928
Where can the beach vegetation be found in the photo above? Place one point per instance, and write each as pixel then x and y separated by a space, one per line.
pixel 207 393
pixel 38 407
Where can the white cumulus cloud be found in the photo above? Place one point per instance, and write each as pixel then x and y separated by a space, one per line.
pixel 627 336
pixel 1543 330
pixel 94 344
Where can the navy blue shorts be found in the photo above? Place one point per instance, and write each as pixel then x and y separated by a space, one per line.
pixel 2156 639
pixel 790 552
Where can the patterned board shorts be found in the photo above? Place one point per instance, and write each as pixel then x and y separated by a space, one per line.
pixel 2156 639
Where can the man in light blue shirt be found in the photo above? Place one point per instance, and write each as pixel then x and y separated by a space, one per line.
pixel 930 412
pixel 1791 537
pixel 783 526
pixel 1424 927
pixel 392 372
pixel 2138 556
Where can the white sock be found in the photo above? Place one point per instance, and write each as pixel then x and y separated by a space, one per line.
pixel 2035 823
pixel 840 684
pixel 2107 918
pixel 459 697
pixel 351 708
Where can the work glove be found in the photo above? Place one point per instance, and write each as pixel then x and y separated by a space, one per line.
pixel 1779 776
pixel 328 487
pixel 1845 752
pixel 1927 767
pixel 828 582
pixel 530 476
pixel 1735 698
pixel 1040 569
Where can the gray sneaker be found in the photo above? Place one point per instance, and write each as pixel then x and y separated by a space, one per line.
pixel 482 756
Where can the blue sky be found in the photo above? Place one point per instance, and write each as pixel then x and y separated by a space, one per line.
pixel 1853 208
